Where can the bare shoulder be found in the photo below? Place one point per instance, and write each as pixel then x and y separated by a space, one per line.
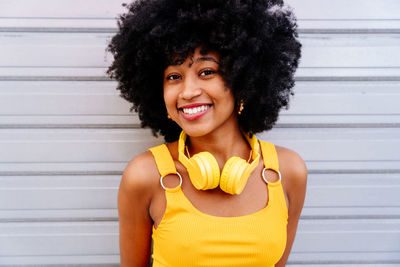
pixel 292 164
pixel 294 175
pixel 140 175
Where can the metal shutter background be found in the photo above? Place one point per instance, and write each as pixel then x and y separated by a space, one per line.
pixel 66 136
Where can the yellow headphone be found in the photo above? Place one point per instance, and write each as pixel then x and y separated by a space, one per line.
pixel 204 172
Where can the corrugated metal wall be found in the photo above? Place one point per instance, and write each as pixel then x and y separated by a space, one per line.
pixel 66 136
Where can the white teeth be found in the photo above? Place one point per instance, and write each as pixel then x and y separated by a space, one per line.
pixel 195 110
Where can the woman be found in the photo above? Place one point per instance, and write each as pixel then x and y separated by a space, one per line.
pixel 207 75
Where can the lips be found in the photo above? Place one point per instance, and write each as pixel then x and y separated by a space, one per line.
pixel 194 111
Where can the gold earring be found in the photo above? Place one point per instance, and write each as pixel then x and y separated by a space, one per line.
pixel 169 116
pixel 241 107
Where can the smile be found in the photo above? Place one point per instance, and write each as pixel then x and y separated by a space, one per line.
pixel 193 113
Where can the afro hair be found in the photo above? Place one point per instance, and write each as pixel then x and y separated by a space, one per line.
pixel 255 39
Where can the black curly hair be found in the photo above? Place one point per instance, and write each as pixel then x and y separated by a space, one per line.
pixel 255 39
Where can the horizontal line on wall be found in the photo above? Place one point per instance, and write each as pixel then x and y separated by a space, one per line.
pixel 348 217
pixel 53 67
pixel 58 173
pixel 339 125
pixel 39 260
pixel 348 31
pixel 55 78
pixel 346 262
pixel 76 264
pixel 58 18
pixel 15 261
pixel 355 171
pixel 46 220
pixel 348 79
pixel 58 30
pixel 69 126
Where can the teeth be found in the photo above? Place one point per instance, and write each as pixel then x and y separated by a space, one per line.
pixel 195 110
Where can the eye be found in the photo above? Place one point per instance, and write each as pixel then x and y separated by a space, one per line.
pixel 207 72
pixel 172 77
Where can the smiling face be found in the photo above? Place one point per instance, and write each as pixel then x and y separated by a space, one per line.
pixel 196 97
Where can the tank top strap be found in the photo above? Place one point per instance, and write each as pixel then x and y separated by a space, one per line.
pixel 276 194
pixel 164 161
pixel 176 201
pixel 270 157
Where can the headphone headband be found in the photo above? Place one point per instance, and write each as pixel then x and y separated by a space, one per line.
pixel 181 150
pixel 253 142
pixel 204 171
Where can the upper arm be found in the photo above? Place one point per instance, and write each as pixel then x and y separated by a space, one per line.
pixel 294 180
pixel 135 224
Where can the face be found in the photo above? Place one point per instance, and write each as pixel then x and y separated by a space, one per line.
pixel 196 97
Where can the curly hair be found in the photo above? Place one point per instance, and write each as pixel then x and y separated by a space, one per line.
pixel 255 39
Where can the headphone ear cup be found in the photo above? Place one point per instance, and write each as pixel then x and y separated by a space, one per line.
pixel 231 173
pixel 234 176
pixel 207 173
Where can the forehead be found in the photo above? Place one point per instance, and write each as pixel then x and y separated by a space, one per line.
pixel 194 57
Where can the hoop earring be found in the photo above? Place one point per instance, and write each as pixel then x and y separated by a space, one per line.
pixel 241 107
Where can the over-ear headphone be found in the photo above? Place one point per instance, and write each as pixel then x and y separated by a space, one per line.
pixel 204 172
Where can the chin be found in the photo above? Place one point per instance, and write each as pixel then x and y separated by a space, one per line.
pixel 196 131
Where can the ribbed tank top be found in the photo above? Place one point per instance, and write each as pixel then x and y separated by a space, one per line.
pixel 188 237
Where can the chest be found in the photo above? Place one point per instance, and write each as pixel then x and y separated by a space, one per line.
pixel 206 242
pixel 256 239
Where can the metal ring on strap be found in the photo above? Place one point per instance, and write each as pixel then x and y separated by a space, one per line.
pixel 265 179
pixel 161 182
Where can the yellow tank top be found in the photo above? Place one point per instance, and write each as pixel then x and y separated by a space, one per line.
pixel 188 237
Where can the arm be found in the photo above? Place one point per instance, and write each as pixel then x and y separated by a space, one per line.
pixel 135 223
pixel 295 173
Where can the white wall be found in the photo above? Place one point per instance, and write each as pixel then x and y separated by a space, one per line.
pixel 66 135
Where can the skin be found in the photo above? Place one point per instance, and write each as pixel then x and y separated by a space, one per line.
pixel 141 199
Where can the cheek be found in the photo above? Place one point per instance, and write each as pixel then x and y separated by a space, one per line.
pixel 229 99
pixel 169 99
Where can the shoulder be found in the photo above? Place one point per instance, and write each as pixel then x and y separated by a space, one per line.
pixel 294 173
pixel 140 175
pixel 291 163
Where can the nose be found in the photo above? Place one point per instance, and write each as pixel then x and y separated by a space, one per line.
pixel 190 88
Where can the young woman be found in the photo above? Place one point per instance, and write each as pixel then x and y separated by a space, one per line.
pixel 207 75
